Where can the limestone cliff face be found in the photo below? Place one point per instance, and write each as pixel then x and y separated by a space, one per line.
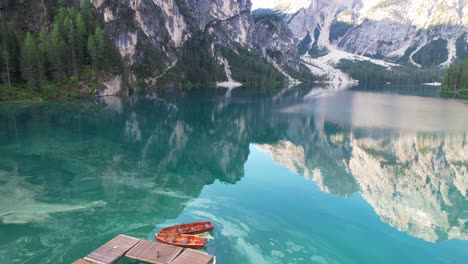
pixel 150 32
pixel 384 29
pixel 275 41
pixel 145 31
pixel 391 29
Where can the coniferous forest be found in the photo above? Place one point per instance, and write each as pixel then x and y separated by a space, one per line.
pixel 456 79
pixel 65 55
pixel 66 52
pixel 368 72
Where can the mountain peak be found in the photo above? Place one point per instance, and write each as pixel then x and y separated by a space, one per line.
pixel 283 6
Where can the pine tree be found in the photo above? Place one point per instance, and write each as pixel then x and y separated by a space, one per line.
pixel 10 49
pixel 72 48
pixel 72 13
pixel 43 40
pixel 87 14
pixel 99 40
pixel 81 33
pixel 92 51
pixel 464 78
pixel 73 44
pixel 456 77
pixel 28 62
pixel 6 60
pixel 60 18
pixel 44 47
pixel 57 53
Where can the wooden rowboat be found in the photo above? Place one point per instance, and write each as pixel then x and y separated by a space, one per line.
pixel 191 229
pixel 181 240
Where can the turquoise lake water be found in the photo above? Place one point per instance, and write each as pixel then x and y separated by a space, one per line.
pixel 302 175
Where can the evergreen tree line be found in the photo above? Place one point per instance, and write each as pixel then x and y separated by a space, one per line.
pixel 250 69
pixel 368 72
pixel 73 42
pixel 432 54
pixel 197 61
pixel 196 65
pixel 456 78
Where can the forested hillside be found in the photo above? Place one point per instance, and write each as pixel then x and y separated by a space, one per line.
pixel 456 79
pixel 368 72
pixel 74 48
pixel 68 56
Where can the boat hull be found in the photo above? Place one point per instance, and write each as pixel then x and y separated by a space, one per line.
pixel 190 229
pixel 182 240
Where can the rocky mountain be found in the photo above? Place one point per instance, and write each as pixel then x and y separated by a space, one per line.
pixel 286 7
pixel 189 42
pixel 152 34
pixel 225 41
pixel 430 33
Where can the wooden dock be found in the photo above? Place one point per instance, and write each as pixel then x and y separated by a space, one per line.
pixel 112 250
pixel 153 252
pixel 144 251
pixel 81 261
pixel 193 257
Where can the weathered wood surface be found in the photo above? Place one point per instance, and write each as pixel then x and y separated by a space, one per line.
pixel 112 250
pixel 81 261
pixel 145 251
pixel 190 256
pixel 153 252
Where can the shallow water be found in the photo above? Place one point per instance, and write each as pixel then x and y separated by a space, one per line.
pixel 303 175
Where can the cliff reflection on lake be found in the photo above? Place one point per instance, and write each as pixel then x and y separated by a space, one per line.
pixel 113 159
pixel 406 155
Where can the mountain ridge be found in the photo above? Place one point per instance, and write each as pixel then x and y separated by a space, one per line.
pixel 223 42
pixel 166 43
pixel 421 34
pixel 228 23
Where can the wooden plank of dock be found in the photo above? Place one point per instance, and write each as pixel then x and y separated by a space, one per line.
pixel 153 252
pixel 81 261
pixel 112 250
pixel 190 256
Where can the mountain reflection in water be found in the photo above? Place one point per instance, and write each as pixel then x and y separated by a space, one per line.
pixel 110 160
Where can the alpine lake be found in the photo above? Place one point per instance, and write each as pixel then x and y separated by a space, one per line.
pixel 375 174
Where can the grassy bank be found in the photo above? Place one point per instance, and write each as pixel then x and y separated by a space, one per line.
pixel 90 84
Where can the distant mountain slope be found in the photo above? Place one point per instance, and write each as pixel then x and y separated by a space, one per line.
pixel 429 33
pixel 287 7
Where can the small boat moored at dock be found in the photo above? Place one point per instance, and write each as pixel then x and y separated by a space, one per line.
pixel 191 229
pixel 181 240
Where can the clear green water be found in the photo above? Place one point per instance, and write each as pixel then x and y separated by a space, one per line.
pixel 366 175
